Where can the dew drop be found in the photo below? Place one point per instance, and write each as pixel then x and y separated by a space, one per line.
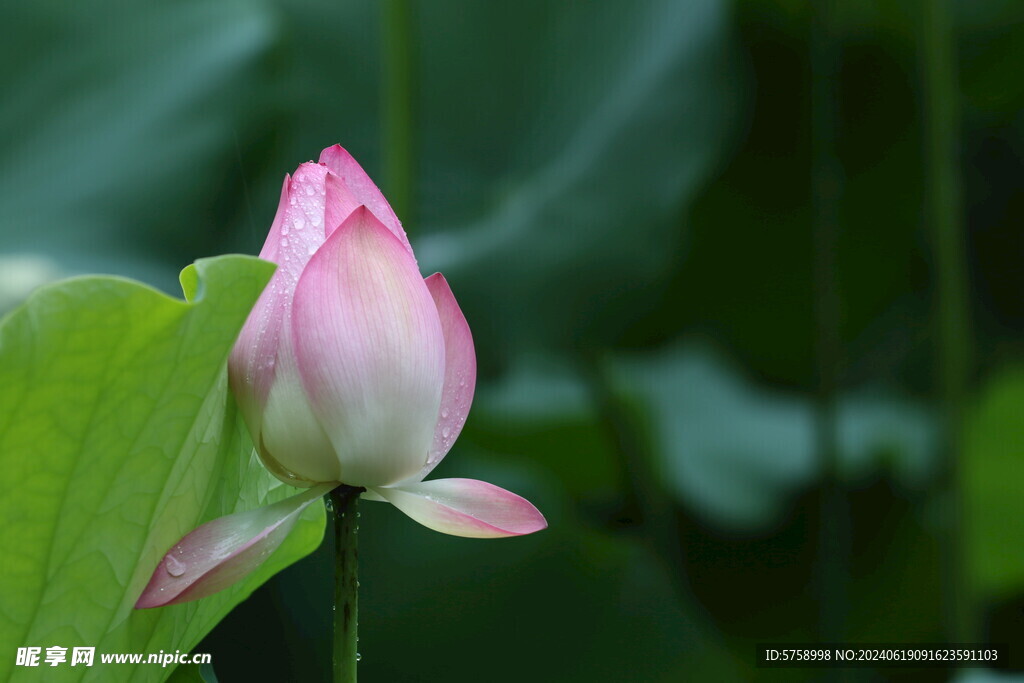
pixel 315 220
pixel 174 566
pixel 300 222
pixel 444 412
pixel 310 190
pixel 284 242
pixel 291 200
pixel 359 657
pixel 446 431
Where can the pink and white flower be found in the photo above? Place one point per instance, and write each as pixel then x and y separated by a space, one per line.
pixel 353 368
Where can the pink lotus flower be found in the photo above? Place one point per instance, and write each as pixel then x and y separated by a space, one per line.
pixel 350 369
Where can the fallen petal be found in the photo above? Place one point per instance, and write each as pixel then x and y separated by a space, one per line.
pixel 465 507
pixel 223 551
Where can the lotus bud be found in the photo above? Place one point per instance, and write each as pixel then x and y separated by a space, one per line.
pixel 352 367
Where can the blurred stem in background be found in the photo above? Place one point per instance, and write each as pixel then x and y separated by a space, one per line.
pixel 396 104
pixel 344 503
pixel 645 493
pixel 832 566
pixel 944 215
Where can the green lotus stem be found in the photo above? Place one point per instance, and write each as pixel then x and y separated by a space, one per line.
pixel 952 302
pixel 345 501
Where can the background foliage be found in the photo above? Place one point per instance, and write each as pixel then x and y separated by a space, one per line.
pixel 623 198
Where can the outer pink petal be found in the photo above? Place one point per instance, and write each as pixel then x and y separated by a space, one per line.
pixel 257 342
pixel 363 190
pixel 298 231
pixel 262 367
pixel 269 251
pixel 466 507
pixel 371 352
pixel 295 235
pixel 459 373
pixel 224 551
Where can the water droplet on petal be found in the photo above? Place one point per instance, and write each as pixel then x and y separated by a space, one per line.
pixel 444 412
pixel 446 431
pixel 174 566
pixel 310 190
pixel 284 241
pixel 315 219
pixel 300 222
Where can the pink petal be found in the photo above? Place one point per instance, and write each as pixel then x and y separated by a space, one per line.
pixel 257 342
pixel 293 238
pixel 223 551
pixel 465 507
pixel 340 203
pixel 459 373
pixel 363 190
pixel 263 353
pixel 269 251
pixel 292 444
pixel 298 231
pixel 371 351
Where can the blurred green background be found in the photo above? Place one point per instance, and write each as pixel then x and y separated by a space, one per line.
pixel 745 280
